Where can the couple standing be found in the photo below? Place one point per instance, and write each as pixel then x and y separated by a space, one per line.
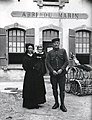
pixel 34 64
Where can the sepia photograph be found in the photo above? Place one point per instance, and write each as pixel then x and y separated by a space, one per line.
pixel 45 59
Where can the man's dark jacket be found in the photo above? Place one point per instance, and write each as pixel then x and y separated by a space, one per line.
pixel 57 59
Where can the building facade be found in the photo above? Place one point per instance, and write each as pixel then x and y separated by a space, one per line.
pixel 39 21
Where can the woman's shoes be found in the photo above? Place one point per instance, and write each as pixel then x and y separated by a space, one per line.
pixel 32 107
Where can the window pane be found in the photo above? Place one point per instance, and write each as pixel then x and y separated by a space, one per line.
pixel 22 39
pixel 22 33
pixel 84 50
pixel 76 40
pixel 10 33
pixel 84 34
pixel 84 45
pixel 14 49
pixel 87 45
pixel 80 40
pixel 76 45
pixel 77 34
pixel 80 34
pixel 22 49
pixel 80 45
pixel 87 50
pixel 18 38
pixel 87 40
pixel 18 49
pixel 14 39
pixel 52 34
pixel 14 44
pixel 10 44
pixel 48 35
pixel 18 44
pixel 22 44
pixel 87 35
pixel 80 50
pixel 56 34
pixel 10 49
pixel 18 32
pixel 84 40
pixel 76 50
pixel 14 32
pixel 44 35
pixel 10 38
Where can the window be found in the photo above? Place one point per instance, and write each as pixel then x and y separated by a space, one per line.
pixel 82 42
pixel 49 34
pixel 51 2
pixel 16 38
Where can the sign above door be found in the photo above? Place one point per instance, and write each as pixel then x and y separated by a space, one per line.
pixel 52 15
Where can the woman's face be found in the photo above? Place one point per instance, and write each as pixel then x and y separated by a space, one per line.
pixel 30 49
pixel 39 50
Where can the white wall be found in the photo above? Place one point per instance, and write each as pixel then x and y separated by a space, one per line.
pixel 74 6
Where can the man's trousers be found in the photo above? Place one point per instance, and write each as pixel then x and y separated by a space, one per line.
pixel 58 81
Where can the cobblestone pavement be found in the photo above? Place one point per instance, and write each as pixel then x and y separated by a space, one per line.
pixel 79 107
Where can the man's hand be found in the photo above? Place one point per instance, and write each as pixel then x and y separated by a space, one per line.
pixel 55 73
pixel 59 71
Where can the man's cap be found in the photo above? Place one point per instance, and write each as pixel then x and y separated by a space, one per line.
pixel 55 39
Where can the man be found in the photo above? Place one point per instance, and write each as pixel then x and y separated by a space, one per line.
pixel 57 62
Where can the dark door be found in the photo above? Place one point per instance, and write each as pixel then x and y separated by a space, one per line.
pixel 83 58
pixel 15 58
pixel 47 37
pixel 47 46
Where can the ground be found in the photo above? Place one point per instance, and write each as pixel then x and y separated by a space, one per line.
pixel 79 107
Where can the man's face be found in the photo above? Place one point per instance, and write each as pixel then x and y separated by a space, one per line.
pixel 56 44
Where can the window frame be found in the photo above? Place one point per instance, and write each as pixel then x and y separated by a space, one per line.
pixel 49 31
pixel 14 43
pixel 82 43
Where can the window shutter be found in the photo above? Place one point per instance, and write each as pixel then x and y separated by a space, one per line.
pixel 30 36
pixel 91 49
pixel 71 41
pixel 2 47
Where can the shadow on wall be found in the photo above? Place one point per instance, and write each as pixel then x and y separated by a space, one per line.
pixel 4 1
pixel 90 1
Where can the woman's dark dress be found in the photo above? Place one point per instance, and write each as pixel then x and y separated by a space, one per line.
pixel 33 86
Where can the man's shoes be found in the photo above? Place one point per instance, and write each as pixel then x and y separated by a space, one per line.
pixel 55 106
pixel 63 108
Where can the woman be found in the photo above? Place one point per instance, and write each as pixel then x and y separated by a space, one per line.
pixel 32 94
pixel 40 57
pixel 40 70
